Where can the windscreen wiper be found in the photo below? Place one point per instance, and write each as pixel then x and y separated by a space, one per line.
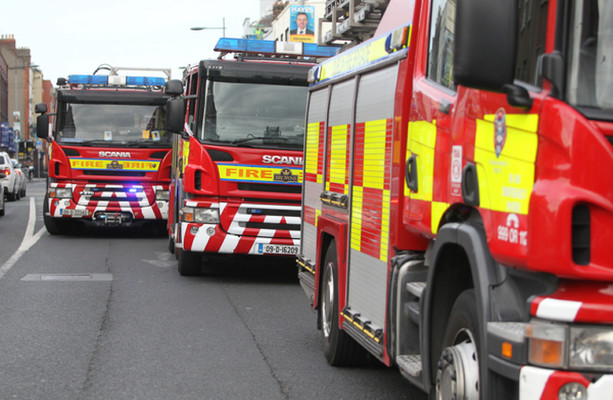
pixel 267 138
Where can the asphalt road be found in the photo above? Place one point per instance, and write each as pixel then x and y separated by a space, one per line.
pixel 103 314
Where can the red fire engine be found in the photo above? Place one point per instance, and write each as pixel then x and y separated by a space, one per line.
pixel 109 153
pixel 457 209
pixel 237 165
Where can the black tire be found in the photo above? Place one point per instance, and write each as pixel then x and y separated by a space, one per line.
pixel 339 348
pixel 458 373
pixel 189 263
pixel 171 244
pixel 54 225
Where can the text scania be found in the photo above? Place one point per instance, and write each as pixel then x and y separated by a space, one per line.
pixel 118 154
pixel 268 159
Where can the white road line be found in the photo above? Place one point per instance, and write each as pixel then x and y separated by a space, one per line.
pixel 29 238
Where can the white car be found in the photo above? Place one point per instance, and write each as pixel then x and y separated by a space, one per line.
pixel 8 177
pixel 23 179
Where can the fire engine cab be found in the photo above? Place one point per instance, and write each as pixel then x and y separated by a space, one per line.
pixel 237 165
pixel 109 151
pixel 456 201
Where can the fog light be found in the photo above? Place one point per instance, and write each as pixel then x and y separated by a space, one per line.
pixel 572 391
pixel 56 202
pixel 210 231
pixel 193 230
pixel 162 195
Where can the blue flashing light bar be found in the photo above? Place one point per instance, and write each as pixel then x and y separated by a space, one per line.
pixel 272 47
pixel 88 79
pixel 104 80
pixel 320 51
pixel 145 81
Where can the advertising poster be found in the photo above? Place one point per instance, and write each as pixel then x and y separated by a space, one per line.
pixel 17 124
pixel 302 23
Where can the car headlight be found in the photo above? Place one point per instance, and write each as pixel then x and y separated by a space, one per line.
pixel 591 348
pixel 162 195
pixel 201 215
pixel 61 193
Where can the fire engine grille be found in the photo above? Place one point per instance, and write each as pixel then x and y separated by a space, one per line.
pixel 283 213
pixel 264 187
pixel 581 238
pixel 263 225
pixel 113 173
pixel 113 194
pixel 263 220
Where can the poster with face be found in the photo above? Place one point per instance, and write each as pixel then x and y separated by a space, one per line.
pixel 302 22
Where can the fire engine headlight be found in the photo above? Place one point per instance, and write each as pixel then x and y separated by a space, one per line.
pixel 591 348
pixel 547 346
pixel 162 195
pixel 201 215
pixel 61 193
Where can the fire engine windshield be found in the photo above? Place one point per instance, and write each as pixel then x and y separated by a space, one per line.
pixel 591 55
pixel 112 125
pixel 254 115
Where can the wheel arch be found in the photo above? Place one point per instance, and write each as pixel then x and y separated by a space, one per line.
pixel 459 260
pixel 330 231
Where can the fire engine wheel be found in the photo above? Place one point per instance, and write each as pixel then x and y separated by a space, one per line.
pixel 171 244
pixel 54 226
pixel 189 263
pixel 457 374
pixel 339 348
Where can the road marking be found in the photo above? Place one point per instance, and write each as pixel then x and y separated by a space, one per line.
pixel 68 277
pixel 29 238
pixel 164 260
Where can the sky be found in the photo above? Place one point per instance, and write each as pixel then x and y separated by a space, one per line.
pixel 76 36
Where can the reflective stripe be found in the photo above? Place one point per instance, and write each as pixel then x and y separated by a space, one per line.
pixel 338 168
pixel 113 164
pixel 356 218
pixel 370 52
pixel 374 153
pixel 185 155
pixel 506 180
pixel 313 152
pixel 437 211
pixel 370 213
pixel 257 173
pixel 422 141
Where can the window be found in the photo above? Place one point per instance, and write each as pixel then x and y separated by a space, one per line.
pixel 253 114
pixel 192 85
pixel 590 69
pixel 440 51
pixel 532 15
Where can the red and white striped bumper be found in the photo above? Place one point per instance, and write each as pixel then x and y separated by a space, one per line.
pixel 245 229
pixel 545 384
pixel 89 199
pixel 211 238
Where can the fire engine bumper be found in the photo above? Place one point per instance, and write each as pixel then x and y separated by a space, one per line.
pixel 119 213
pixel 539 384
pixel 553 359
pixel 211 238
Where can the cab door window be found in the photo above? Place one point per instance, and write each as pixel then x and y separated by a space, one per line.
pixel 441 45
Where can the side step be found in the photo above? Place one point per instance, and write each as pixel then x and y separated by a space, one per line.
pixel 410 367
